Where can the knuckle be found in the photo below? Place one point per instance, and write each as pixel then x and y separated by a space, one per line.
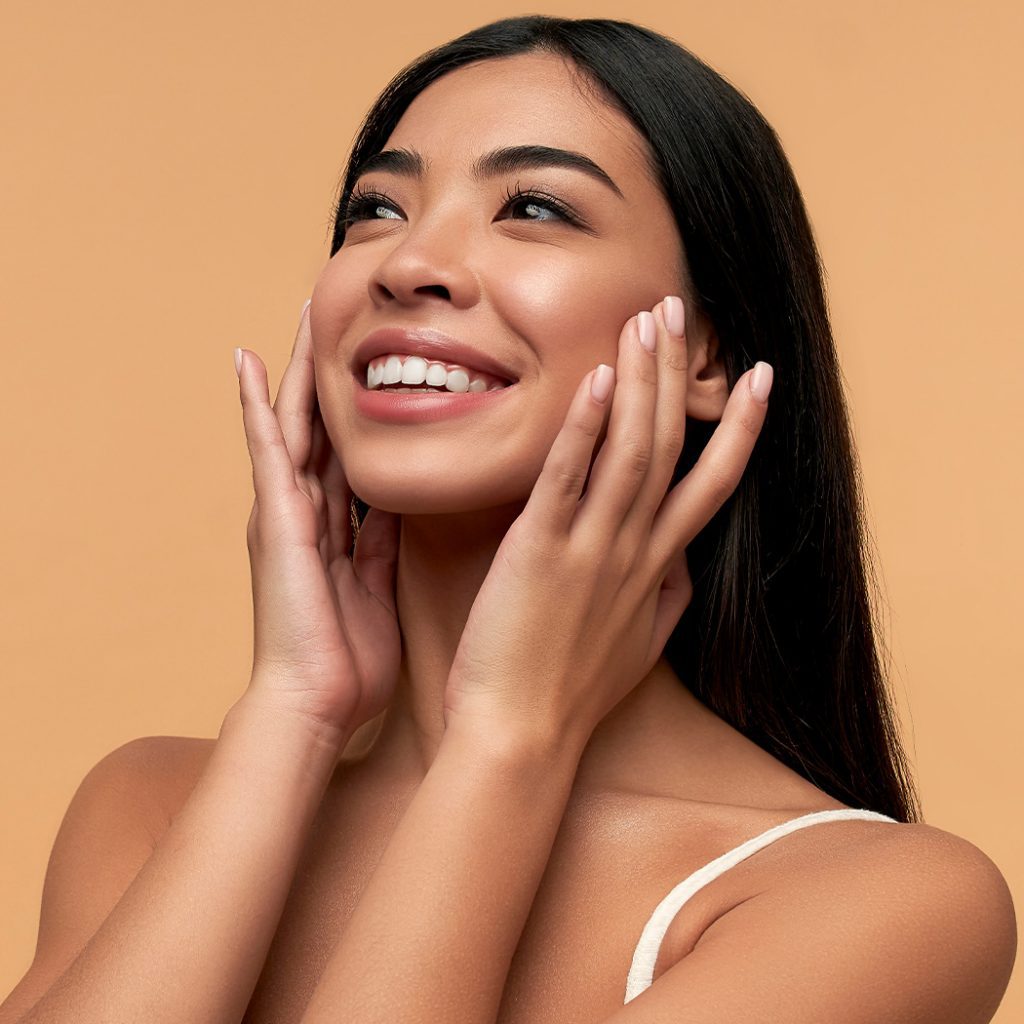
pixel 589 426
pixel 676 358
pixel 673 435
pixel 636 455
pixel 721 481
pixel 567 480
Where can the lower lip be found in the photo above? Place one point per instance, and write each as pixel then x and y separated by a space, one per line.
pixel 425 406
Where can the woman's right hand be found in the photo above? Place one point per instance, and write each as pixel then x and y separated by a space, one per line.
pixel 327 642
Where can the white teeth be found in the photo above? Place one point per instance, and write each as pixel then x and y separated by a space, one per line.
pixel 393 370
pixel 437 374
pixel 414 370
pixel 458 380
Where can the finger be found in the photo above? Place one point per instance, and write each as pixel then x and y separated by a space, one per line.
pixel 376 555
pixel 702 492
pixel 338 496
pixel 297 395
pixel 273 474
pixel 555 496
pixel 669 412
pixel 625 456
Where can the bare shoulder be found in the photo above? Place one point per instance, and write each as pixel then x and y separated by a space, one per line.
pixel 909 922
pixel 165 768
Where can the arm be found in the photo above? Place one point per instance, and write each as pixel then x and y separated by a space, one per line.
pixel 576 609
pixel 433 935
pixel 906 925
pixel 188 937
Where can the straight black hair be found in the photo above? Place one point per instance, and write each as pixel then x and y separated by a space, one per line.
pixel 780 638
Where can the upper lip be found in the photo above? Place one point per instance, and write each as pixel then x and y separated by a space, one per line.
pixel 431 345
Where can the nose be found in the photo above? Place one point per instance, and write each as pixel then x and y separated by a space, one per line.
pixel 430 261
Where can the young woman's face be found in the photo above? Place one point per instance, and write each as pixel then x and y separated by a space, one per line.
pixel 517 281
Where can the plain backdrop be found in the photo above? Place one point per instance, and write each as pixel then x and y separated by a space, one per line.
pixel 166 185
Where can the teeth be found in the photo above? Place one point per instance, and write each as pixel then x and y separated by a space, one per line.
pixel 393 370
pixel 415 370
pixel 437 374
pixel 458 380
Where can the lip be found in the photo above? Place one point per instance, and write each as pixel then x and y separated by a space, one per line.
pixel 431 345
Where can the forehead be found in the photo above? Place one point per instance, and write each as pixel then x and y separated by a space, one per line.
pixel 528 99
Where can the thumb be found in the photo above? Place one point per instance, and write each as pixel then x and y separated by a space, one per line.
pixel 375 557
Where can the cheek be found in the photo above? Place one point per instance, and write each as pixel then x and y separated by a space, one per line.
pixel 572 310
pixel 339 297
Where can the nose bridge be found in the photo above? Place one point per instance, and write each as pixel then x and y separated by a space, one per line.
pixel 433 255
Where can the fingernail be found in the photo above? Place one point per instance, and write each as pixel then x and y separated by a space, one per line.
pixel 645 327
pixel 303 313
pixel 675 315
pixel 238 362
pixel 761 381
pixel 601 382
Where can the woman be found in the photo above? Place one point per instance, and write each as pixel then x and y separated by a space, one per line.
pixel 605 626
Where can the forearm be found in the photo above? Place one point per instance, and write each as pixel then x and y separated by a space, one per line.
pixel 188 939
pixel 433 935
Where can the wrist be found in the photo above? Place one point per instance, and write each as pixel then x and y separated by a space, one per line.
pixel 279 719
pixel 524 746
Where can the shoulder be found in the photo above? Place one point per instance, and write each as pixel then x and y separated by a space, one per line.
pixel 154 774
pixel 867 920
pixel 925 913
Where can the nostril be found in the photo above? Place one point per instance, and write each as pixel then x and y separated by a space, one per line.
pixel 436 289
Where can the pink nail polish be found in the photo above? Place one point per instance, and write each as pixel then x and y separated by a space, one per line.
pixel 761 381
pixel 675 315
pixel 601 382
pixel 646 329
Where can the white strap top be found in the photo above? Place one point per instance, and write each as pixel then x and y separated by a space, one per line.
pixel 641 974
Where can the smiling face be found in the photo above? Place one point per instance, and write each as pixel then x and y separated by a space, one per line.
pixel 543 288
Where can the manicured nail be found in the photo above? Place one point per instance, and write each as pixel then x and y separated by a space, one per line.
pixel 761 381
pixel 238 362
pixel 646 329
pixel 675 316
pixel 601 382
pixel 304 308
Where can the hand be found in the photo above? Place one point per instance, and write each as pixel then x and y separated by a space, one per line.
pixel 327 641
pixel 583 594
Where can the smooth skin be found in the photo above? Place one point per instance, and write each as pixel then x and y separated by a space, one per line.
pixel 501 786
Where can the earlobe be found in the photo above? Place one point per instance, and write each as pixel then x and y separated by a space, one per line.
pixel 707 388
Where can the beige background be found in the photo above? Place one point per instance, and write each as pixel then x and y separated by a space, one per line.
pixel 167 178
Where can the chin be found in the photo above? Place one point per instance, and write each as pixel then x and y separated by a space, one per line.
pixel 431 494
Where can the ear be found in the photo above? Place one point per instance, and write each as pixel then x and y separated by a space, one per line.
pixel 707 388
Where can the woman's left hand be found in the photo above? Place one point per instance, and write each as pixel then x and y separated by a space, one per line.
pixel 583 594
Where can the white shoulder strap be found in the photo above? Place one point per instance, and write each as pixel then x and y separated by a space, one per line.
pixel 641 973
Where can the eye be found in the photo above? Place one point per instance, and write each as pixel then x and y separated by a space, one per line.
pixel 364 204
pixel 530 200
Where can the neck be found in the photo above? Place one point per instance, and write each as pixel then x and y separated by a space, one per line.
pixel 442 563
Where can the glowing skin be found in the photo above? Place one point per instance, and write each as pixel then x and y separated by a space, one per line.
pixel 546 297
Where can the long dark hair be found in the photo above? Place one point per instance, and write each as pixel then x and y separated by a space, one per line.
pixel 779 639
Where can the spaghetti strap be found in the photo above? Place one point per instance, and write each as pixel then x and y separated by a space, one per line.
pixel 641 973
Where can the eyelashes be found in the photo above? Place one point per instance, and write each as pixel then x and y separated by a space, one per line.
pixel 364 204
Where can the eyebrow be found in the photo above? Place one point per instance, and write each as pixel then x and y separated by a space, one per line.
pixel 509 159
